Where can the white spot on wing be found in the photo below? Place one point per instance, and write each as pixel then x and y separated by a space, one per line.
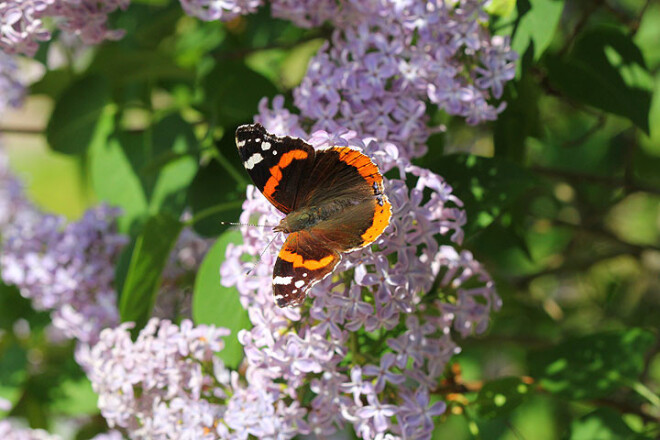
pixel 265 146
pixel 253 160
pixel 240 144
pixel 282 280
pixel 299 283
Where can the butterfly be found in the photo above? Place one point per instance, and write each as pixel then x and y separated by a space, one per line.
pixel 333 199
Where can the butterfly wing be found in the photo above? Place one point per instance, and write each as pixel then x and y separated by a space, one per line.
pixel 345 175
pixel 277 165
pixel 302 262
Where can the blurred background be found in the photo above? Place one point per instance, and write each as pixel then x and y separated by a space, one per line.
pixel 562 194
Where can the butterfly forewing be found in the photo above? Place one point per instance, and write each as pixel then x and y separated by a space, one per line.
pixel 276 165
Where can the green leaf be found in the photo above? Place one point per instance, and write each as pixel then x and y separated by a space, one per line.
pixel 173 164
pixel 606 70
pixel 535 27
pixel 213 200
pixel 13 372
pixel 503 8
pixel 115 180
pixel 234 91
pixel 519 120
pixel 146 172
pixel 74 398
pixel 148 260
pixel 603 424
pixel 53 83
pixel 218 190
pixel 500 397
pixel 592 366
pixel 125 66
pixel 218 305
pixel 77 114
pixel 487 186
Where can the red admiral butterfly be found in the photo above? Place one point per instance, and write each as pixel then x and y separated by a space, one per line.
pixel 333 200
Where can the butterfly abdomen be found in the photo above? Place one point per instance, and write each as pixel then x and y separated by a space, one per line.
pixel 307 217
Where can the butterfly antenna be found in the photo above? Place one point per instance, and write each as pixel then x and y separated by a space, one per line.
pixel 247 224
pixel 256 263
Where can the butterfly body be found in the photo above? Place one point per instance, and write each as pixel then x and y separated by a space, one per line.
pixel 333 200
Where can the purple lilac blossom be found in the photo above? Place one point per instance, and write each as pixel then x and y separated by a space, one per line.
pixel 9 432
pixel 225 10
pixel 170 384
pixel 389 61
pixel 11 89
pixel 287 348
pixel 67 269
pixel 13 205
pixel 23 27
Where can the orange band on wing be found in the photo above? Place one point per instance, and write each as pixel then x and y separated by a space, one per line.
pixel 367 169
pixel 382 216
pixel 276 171
pixel 298 261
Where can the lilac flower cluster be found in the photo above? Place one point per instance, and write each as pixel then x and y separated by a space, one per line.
pixel 68 269
pixel 224 10
pixel 13 205
pixel 348 345
pixel 388 62
pixel 379 73
pixel 11 89
pixel 7 431
pixel 170 384
pixel 22 23
pixel 10 432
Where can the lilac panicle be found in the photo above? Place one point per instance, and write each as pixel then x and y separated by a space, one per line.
pixel 11 88
pixel 388 64
pixel 225 10
pixel 10 432
pixel 67 269
pixel 390 282
pixel 170 384
pixel 23 23
pixel 13 205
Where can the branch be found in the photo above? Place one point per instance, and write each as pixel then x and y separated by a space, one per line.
pixel 605 234
pixel 21 130
pixel 592 178
pixel 582 22
pixel 243 52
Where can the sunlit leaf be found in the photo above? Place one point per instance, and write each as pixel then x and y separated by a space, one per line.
pixel 77 114
pixel 148 260
pixel 500 397
pixel 216 304
pixel 605 69
pixel 592 366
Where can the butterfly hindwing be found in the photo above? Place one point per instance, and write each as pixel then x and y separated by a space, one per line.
pixel 343 173
pixel 302 262
pixel 277 165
